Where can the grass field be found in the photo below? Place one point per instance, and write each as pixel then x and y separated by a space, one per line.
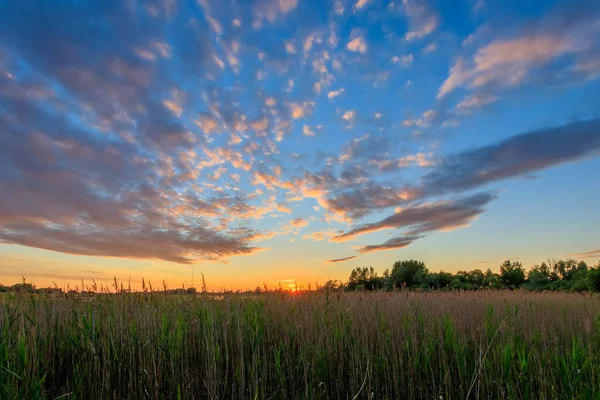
pixel 329 345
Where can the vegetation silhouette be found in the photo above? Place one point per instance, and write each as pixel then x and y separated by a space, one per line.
pixel 561 275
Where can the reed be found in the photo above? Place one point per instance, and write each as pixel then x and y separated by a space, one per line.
pixel 318 345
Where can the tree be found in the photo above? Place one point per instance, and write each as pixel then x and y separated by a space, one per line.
pixel 540 270
pixel 566 270
pixel 579 280
pixel 593 277
pixel 333 284
pixel 367 277
pixel 409 273
pixel 476 278
pixel 539 277
pixel 469 280
pixel 512 274
pixel 492 280
pixel 462 277
pixel 22 288
pixel 439 280
pixel 191 290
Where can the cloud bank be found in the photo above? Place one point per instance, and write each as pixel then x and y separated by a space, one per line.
pixel 184 131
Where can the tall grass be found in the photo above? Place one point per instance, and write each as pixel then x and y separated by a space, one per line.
pixel 315 345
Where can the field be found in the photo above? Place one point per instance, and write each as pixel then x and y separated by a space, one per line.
pixel 321 345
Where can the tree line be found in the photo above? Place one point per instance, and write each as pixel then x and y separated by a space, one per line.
pixel 561 275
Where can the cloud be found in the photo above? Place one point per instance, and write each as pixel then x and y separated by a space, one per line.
pixel 356 193
pixel 307 131
pixel 422 20
pixel 214 24
pixel 299 222
pixel 335 93
pixel 423 218
pixel 290 48
pixel 319 236
pixel 349 115
pixel 308 43
pixel 145 242
pixel 430 48
pixel 357 203
pixel 102 155
pixel 497 261
pixel 474 101
pixel 357 45
pixel 418 220
pixel 425 121
pixel 271 10
pixel 587 254
pixel 589 66
pixel 287 5
pixel 404 60
pixel 157 130
pixel 459 75
pixel 258 237
pixel 392 244
pixel 516 156
pixel 547 52
pixel 339 260
pixel 89 271
pixel 299 110
pixel 360 4
pixel 281 207
pixel 420 159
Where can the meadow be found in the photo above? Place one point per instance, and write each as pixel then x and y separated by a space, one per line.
pixel 313 345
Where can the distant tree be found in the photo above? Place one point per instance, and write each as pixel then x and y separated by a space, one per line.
pixel 409 273
pixel 512 274
pixel 476 278
pixel 539 277
pixel 492 280
pixel 191 290
pixel 367 277
pixel 439 280
pixel 22 288
pixel 545 270
pixel 469 280
pixel 542 270
pixel 566 269
pixel 461 280
pixel 579 281
pixel 49 290
pixel 582 266
pixel 388 282
pixel 333 284
pixel 593 277
pixel 559 275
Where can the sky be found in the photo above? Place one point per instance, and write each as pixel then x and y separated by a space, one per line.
pixel 266 142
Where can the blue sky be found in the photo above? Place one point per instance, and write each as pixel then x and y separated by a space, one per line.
pixel 271 140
